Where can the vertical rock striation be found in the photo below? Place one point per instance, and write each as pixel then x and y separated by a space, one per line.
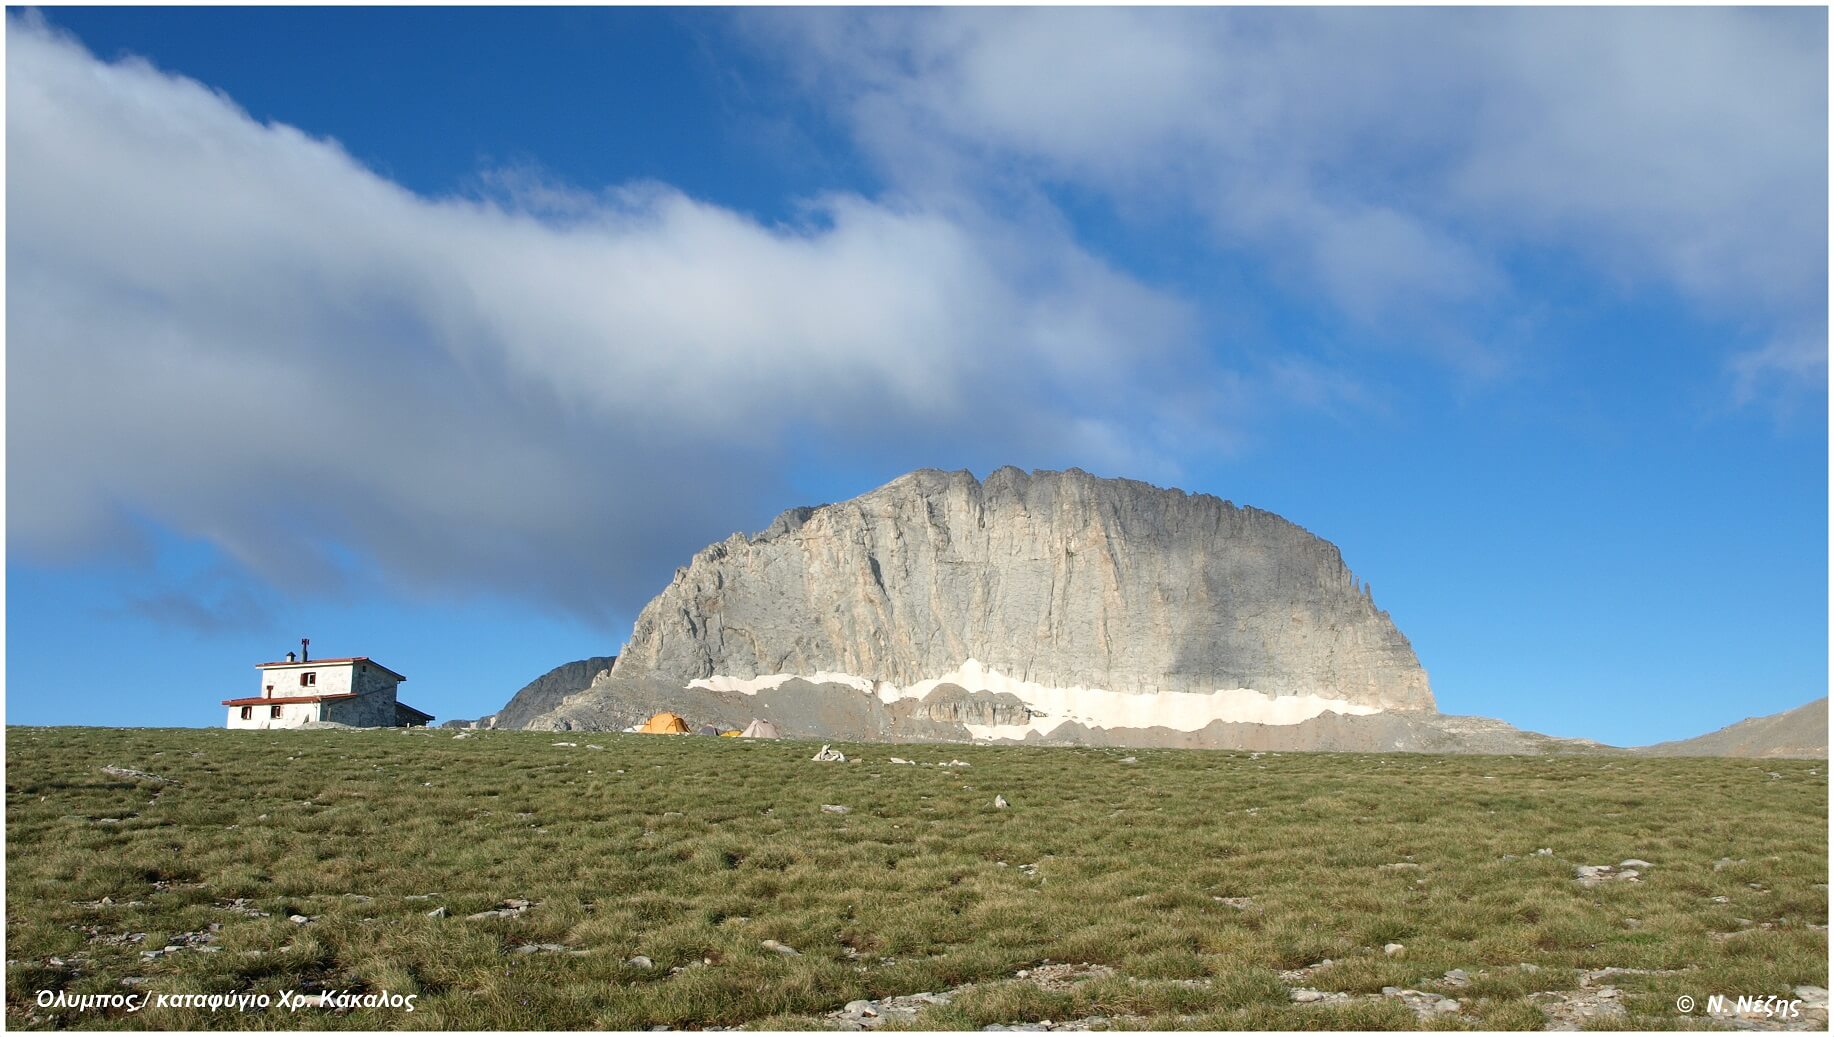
pixel 1053 580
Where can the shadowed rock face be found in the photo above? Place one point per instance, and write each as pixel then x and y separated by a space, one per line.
pixel 546 691
pixel 1059 579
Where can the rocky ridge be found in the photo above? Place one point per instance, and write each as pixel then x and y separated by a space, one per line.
pixel 1046 608
pixel 1796 733
pixel 1050 607
pixel 548 690
pixel 1056 579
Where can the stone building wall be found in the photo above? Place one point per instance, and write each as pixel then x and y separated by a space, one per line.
pixel 292 714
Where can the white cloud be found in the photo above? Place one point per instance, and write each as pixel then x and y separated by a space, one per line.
pixel 237 331
pixel 1782 367
pixel 1395 162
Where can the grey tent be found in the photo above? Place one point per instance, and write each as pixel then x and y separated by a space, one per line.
pixel 760 729
pixel 708 729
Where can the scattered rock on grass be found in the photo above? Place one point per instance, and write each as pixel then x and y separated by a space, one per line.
pixel 1306 996
pixel 1394 950
pixel 1425 1005
pixel 828 755
pixel 507 909
pixel 835 808
pixel 999 803
pixel 130 774
pixel 640 962
pixel 1590 875
pixel 780 948
pixel 1573 1009
pixel 203 940
pixel 870 1015
pixel 1062 976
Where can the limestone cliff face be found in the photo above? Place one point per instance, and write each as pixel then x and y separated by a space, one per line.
pixel 1059 579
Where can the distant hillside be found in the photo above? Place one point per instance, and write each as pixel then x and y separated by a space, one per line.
pixel 1800 733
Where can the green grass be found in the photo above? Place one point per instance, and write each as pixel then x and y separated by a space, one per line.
pixel 690 851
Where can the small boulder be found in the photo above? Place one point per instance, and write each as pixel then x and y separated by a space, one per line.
pixel 835 808
pixel 1394 950
pixel 828 755
pixel 438 912
pixel 1593 874
pixel 999 803
pixel 640 962
pixel 780 948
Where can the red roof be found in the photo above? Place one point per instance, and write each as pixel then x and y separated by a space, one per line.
pixel 330 662
pixel 281 700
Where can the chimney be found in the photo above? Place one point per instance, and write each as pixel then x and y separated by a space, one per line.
pixel 292 656
pixel 305 649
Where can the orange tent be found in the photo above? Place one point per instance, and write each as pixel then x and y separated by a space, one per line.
pixel 664 724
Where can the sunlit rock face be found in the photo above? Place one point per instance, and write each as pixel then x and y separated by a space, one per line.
pixel 1101 603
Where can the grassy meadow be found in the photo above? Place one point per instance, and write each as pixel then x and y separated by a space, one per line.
pixel 1197 878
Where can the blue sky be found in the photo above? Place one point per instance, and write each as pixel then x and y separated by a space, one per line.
pixel 445 336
